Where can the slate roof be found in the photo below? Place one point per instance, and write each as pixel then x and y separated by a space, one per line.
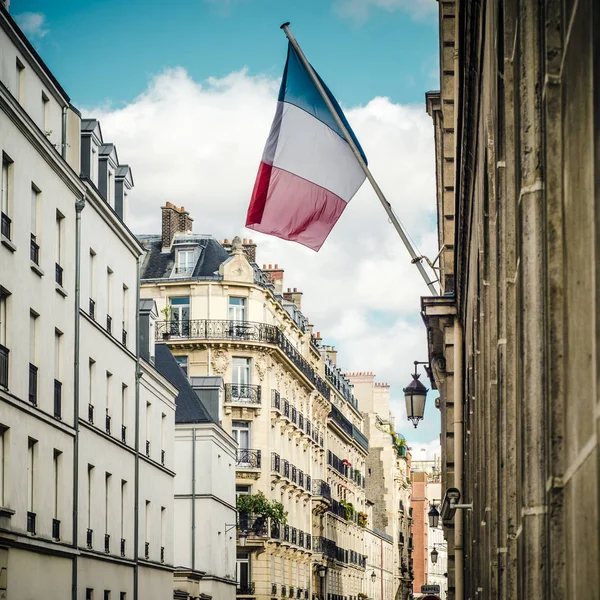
pixel 159 265
pixel 189 409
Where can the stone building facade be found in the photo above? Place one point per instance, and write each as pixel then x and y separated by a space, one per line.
pixel 388 483
pixel 514 333
pixel 86 480
pixel 286 403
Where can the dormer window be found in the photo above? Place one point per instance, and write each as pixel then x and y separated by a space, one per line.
pixel 185 262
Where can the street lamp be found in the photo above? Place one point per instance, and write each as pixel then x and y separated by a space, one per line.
pixel 434 556
pixel 373 576
pixel 434 516
pixel 322 570
pixel 243 538
pixel 415 394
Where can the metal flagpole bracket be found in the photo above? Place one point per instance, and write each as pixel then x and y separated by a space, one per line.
pixel 417 260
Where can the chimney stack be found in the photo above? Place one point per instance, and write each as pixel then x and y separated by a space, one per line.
pixel 174 220
pixel 294 296
pixel 275 276
pixel 248 245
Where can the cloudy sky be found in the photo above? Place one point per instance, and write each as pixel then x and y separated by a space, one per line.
pixel 186 89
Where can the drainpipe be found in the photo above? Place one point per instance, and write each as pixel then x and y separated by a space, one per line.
pixel 63 145
pixel 458 461
pixel 194 499
pixel 138 376
pixel 208 353
pixel 381 561
pixel 79 206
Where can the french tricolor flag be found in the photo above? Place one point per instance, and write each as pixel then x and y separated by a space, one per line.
pixel 308 172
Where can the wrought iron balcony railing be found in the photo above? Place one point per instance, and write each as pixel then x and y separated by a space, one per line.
pixel 286 408
pixel 148 448
pixel 4 366
pixel 162 554
pixel 108 421
pixel 244 393
pixel 33 381
pixel 341 420
pixel 286 468
pixel 89 538
pixel 245 588
pixel 147 550
pixel 294 537
pixel 294 474
pixel 254 525
pixel 34 251
pixel 124 337
pixel 109 324
pixel 301 538
pixel 275 399
pixel 107 543
pixel 57 399
pixel 308 483
pixel 275 530
pixel 360 437
pixel 248 458
pixel 5 226
pixel 211 329
pixel 294 416
pixel 286 533
pixel 275 462
pixel 163 456
pixel 300 420
pixel 308 542
pixel 92 309
pixel 58 274
pixel 321 488
pixel 324 546
pixel 91 413
pixel 124 434
pixel 123 547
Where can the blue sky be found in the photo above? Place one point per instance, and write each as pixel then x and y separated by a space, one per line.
pixel 106 50
pixel 167 81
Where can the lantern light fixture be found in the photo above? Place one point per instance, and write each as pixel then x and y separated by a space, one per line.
pixel 415 394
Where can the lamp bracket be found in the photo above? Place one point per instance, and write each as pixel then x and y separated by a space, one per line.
pixel 229 527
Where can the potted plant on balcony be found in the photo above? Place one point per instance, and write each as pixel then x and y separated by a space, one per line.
pixel 362 596
pixel 362 519
pixel 258 505
pixel 349 508
pixel 167 312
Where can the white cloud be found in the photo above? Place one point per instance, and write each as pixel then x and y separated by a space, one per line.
pixel 425 450
pixel 200 146
pixel 33 24
pixel 360 9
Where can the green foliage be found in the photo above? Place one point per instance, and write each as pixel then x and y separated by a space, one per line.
pixel 349 508
pixel 362 596
pixel 167 311
pixel 258 504
pixel 362 519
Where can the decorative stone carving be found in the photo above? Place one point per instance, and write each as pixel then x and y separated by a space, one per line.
pixel 219 362
pixel 261 366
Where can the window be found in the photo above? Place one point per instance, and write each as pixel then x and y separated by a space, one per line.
pixel 31 452
pixel 125 318
pixel 243 490
pixel 147 529
pixel 243 573
pixel 148 410
pixel 3 463
pixel 20 81
pixel 57 485
pixel 106 594
pixel 123 497
pixel 5 201
pixel 107 482
pixel 3 315
pixel 90 482
pixel 91 381
pixel 182 361
pixel 89 594
pixel 180 316
pixel 59 248
pixel 241 433
pixel 110 189
pixel 163 530
pixel 33 370
pixel 237 309
pixel 163 436
pixel 92 283
pixel 109 304
pixel 185 262
pixel 35 241
pixel 124 413
pixel 108 401
pixel 46 115
pixel 240 371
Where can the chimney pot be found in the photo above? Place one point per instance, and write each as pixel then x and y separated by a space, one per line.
pixel 251 241
pixel 245 241
pixel 226 241
pixel 295 289
pixel 276 266
pixel 270 267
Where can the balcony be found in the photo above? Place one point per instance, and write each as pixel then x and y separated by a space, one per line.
pixel 248 458
pixel 294 474
pixel 148 448
pixel 337 508
pixel 58 274
pixel 275 400
pixel 34 251
pixel 124 337
pixel 273 589
pixel 300 478
pixel 107 543
pixel 324 546
pixel 33 380
pixel 147 550
pixel 294 417
pixel 286 533
pixel 308 541
pixel 4 366
pixel 91 413
pixel 340 420
pixel 301 421
pixel 162 554
pixel 123 434
pixel 242 393
pixel 286 468
pixel 308 483
pixel 89 538
pixel 301 538
pixel 275 530
pixel 210 329
pixel 360 437
pixel 254 525
pixel 294 536
pixel 321 488
pixel 286 408
pixel 31 517
pixel 245 589
pixel 55 529
pixel 57 399
pixel 92 309
pixel 122 547
pixel 108 421
pixel 109 324
pixel 163 455
pixel 275 462
pixel 5 225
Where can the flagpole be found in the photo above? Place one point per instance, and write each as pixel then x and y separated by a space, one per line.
pixel 386 205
